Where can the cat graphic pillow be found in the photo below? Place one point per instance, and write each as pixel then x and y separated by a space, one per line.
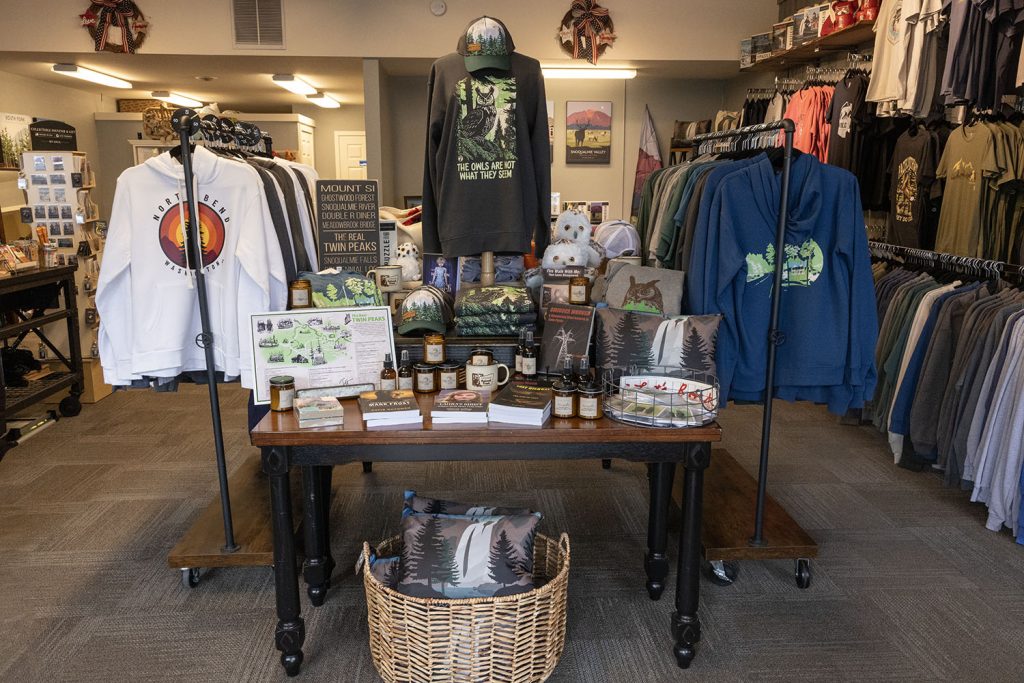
pixel 643 289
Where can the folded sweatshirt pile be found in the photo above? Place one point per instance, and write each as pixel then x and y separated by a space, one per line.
pixel 494 311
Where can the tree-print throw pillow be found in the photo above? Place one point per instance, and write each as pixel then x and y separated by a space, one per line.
pixel 387 570
pixel 467 557
pixel 644 289
pixel 432 506
pixel 333 289
pixel 627 339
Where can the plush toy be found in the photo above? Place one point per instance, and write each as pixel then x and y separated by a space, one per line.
pixel 408 256
pixel 564 253
pixel 575 227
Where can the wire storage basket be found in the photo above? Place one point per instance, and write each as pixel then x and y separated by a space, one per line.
pixel 666 397
pixel 508 639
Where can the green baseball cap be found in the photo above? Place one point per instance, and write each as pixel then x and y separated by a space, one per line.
pixel 426 309
pixel 486 44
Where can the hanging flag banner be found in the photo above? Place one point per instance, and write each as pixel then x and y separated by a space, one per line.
pixel 648 159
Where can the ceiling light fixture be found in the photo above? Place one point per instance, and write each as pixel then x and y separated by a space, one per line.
pixel 588 73
pixel 324 100
pixel 89 75
pixel 175 98
pixel 294 84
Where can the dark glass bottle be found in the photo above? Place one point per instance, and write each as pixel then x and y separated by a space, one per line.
pixel 529 368
pixel 388 376
pixel 405 372
pixel 519 350
pixel 583 377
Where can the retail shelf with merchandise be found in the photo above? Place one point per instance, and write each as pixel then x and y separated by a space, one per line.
pixel 857 35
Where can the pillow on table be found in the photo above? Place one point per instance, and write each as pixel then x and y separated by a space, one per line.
pixel 467 557
pixel 333 288
pixel 419 505
pixel 644 289
pixel 629 338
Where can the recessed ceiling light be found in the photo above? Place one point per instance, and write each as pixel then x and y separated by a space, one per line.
pixel 324 100
pixel 205 79
pixel 89 75
pixel 589 73
pixel 175 98
pixel 294 84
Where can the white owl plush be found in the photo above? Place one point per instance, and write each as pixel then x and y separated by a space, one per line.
pixel 407 255
pixel 575 227
pixel 564 254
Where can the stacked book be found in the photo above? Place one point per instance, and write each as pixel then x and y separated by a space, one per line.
pixel 522 402
pixel 460 406
pixel 319 412
pixel 390 408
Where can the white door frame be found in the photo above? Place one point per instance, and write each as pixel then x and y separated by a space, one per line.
pixel 338 172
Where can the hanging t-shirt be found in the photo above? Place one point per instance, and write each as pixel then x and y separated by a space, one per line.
pixel 846 114
pixel 913 172
pixel 967 165
pixel 887 77
pixel 487 181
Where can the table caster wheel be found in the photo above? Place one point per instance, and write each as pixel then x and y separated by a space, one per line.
pixel 70 406
pixel 721 573
pixel 292 664
pixel 190 577
pixel 803 573
pixel 655 589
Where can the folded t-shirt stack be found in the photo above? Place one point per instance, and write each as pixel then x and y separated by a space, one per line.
pixel 495 311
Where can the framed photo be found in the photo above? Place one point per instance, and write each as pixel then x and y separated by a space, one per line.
pixel 413 200
pixel 320 347
pixel 588 132
pixel 440 272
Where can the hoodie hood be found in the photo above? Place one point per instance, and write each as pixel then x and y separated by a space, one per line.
pixel 805 200
pixel 206 166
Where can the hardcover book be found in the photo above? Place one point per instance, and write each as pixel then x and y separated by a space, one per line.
pixel 567 332
pixel 522 402
pixel 388 405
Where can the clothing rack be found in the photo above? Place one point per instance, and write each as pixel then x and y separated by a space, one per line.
pixel 967 265
pixel 775 336
pixel 187 123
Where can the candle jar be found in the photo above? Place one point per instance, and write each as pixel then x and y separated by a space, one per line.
pixel 433 349
pixel 579 291
pixel 591 402
pixel 282 393
pixel 448 375
pixel 564 404
pixel 425 378
pixel 300 294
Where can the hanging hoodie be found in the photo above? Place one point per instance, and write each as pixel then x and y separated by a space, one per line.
pixel 487 177
pixel 146 294
pixel 828 311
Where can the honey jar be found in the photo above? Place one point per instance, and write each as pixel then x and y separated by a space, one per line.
pixel 434 349
pixel 282 393
pixel 300 294
pixel 424 378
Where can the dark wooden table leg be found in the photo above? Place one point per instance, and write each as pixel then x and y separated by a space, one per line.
pixel 291 630
pixel 660 475
pixel 685 621
pixel 315 512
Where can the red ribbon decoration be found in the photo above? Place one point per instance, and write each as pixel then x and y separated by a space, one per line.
pixel 115 13
pixel 588 20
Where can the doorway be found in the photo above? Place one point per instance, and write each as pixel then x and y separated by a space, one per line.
pixel 350 154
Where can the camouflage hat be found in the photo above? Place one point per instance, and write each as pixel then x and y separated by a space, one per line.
pixel 427 309
pixel 486 44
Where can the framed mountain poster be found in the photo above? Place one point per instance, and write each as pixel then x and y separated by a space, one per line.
pixel 588 132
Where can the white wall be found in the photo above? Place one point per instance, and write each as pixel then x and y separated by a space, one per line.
pixel 647 29
pixel 349 117
pixel 19 95
pixel 408 117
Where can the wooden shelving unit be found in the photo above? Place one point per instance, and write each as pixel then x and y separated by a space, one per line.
pixel 850 37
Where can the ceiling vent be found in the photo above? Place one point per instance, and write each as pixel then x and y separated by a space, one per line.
pixel 258 23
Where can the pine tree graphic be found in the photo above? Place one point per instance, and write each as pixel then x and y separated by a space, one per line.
pixel 630 346
pixel 695 352
pixel 449 573
pixel 436 507
pixel 422 562
pixel 502 564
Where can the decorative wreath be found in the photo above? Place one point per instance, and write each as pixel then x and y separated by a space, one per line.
pixel 586 31
pixel 124 16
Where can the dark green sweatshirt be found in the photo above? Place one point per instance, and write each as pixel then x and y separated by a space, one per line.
pixel 487 177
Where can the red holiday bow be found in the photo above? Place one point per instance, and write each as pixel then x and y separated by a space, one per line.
pixel 588 20
pixel 116 13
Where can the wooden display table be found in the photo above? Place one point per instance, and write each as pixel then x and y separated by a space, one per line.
pixel 284 446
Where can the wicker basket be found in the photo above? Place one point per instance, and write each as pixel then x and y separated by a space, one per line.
pixel 509 639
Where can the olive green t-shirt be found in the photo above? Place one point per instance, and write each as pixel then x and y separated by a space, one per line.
pixel 967 164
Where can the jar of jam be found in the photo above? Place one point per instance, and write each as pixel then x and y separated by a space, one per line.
pixel 448 375
pixel 433 349
pixel 579 291
pixel 282 393
pixel 300 294
pixel 424 378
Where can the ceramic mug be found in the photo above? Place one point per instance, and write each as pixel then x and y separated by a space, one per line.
pixel 388 278
pixel 486 376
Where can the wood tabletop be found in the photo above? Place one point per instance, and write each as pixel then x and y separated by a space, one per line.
pixel 282 429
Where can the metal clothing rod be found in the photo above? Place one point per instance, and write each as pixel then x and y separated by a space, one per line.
pixel 775 336
pixel 187 124
pixel 947 261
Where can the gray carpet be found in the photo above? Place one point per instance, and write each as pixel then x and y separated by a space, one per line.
pixel 908 586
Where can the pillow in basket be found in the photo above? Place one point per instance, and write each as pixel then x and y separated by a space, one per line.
pixel 417 505
pixel 467 557
pixel 628 338
pixel 387 570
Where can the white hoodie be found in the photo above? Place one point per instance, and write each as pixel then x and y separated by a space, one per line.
pixel 146 295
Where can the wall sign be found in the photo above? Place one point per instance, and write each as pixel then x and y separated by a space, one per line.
pixel 53 136
pixel 14 140
pixel 349 233
pixel 588 132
